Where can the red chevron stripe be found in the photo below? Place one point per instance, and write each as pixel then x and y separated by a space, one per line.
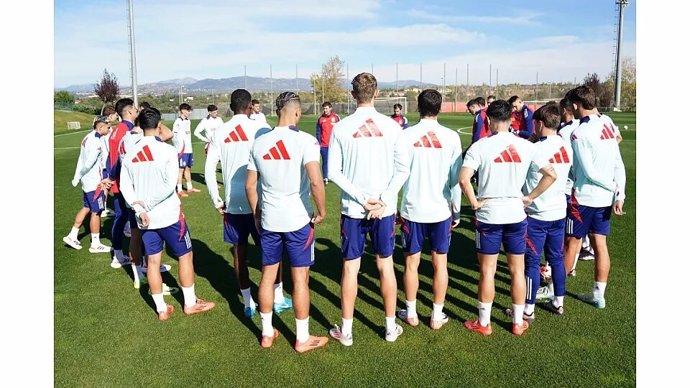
pixel 240 132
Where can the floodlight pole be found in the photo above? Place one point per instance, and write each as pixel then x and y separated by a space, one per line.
pixel 132 53
pixel 619 69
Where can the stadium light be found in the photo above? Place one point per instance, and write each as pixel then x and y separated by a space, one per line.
pixel 619 70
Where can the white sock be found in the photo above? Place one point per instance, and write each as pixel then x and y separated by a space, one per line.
pixel 411 308
pixel 160 303
pixel 484 313
pixel 247 297
pixel 347 326
pixel 390 323
pixel 95 239
pixel 179 187
pixel 437 312
pixel 189 185
pixel 267 324
pixel 278 296
pixel 189 295
pixel 529 309
pixel 518 310
pixel 599 289
pixel 558 302
pixel 302 329
pixel 74 233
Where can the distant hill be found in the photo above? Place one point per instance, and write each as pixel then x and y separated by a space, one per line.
pixel 226 85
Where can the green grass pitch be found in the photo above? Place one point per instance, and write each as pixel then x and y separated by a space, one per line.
pixel 106 332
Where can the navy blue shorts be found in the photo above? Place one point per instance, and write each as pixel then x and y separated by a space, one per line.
pixel 353 233
pixel 414 233
pixel 298 244
pixel 186 160
pixel 582 220
pixel 94 200
pixel 176 236
pixel 489 237
pixel 238 227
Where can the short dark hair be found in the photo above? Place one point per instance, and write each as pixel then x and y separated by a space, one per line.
pixel 429 103
pixel 122 104
pixel 149 118
pixel 144 104
pixel 254 102
pixel 286 98
pixel 582 95
pixel 240 99
pixel 499 110
pixel 185 106
pixel 549 115
pixel 399 106
pixel 512 99
pixel 471 102
pixel 565 104
pixel 212 108
pixel 364 87
pixel 481 101
pixel 108 110
pixel 327 104
pixel 100 119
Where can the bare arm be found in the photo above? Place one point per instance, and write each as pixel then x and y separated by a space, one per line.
pixel 466 174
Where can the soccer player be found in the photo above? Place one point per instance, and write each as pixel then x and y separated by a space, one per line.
pixel 324 127
pixel 490 99
pixel 398 116
pixel 230 145
pixel 88 172
pixel 182 139
pixel 149 175
pixel 128 113
pixel 472 106
pixel 430 204
pixel 256 113
pixel 502 161
pixel 524 126
pixel 368 160
pixel 480 126
pixel 546 214
pixel 207 126
pixel 109 114
pixel 279 160
pixel 599 188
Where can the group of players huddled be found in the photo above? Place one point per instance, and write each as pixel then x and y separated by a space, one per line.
pixel 544 180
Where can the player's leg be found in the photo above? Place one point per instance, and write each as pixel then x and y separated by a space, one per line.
pixel 412 233
pixel 153 246
pixel 554 255
pixel 236 229
pixel 536 236
pixel 352 236
pixel 72 239
pixel 383 239
pixel 188 174
pixel 272 252
pixel 182 165
pixel 514 244
pixel 324 163
pixel 300 250
pixel 117 236
pixel 439 237
pixel 97 206
pixel 599 229
pixel 488 242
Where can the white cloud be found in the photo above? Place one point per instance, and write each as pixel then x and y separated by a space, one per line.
pixel 520 18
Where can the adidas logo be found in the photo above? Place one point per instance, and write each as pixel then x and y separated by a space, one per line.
pixel 560 157
pixel 368 129
pixel 143 156
pixel 607 133
pixel 424 141
pixel 509 155
pixel 236 135
pixel 278 152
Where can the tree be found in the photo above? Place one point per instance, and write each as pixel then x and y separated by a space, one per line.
pixel 107 88
pixel 329 84
pixel 629 85
pixel 603 93
pixel 63 97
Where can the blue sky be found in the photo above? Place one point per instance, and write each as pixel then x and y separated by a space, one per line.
pixel 215 39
